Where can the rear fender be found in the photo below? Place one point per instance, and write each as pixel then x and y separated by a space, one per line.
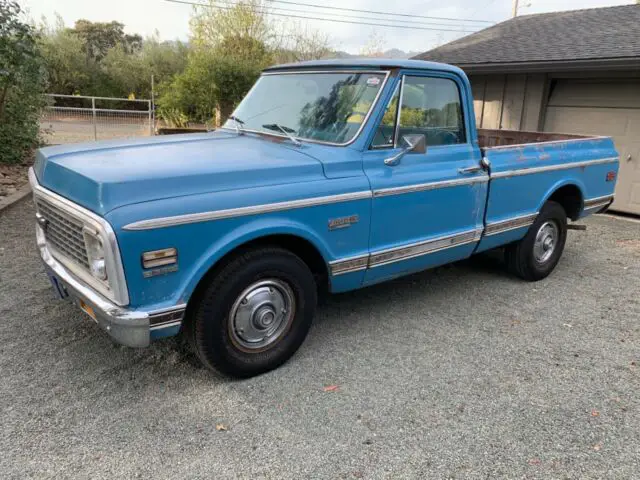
pixel 572 181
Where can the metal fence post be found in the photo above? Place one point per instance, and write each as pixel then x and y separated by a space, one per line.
pixel 150 120
pixel 93 111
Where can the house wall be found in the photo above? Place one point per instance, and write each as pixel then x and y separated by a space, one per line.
pixel 511 102
pixel 587 103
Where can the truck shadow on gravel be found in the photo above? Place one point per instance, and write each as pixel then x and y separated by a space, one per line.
pixel 172 357
pixel 484 267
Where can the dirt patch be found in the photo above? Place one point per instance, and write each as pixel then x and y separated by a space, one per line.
pixel 12 177
pixel 631 244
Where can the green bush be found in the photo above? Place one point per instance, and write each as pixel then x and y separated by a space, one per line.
pixel 21 85
pixel 210 82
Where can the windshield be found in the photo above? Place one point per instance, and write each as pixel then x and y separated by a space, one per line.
pixel 327 107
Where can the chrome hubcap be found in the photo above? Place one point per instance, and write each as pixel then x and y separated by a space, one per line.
pixel 261 314
pixel 546 241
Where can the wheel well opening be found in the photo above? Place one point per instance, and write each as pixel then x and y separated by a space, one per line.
pixel 304 249
pixel 570 197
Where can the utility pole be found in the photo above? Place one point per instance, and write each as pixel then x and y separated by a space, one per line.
pixel 515 8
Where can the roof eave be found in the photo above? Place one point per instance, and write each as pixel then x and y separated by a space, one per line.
pixel 627 63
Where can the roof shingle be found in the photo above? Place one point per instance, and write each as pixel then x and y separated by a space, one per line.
pixel 591 34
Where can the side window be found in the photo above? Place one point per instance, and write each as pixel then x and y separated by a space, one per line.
pixel 385 132
pixel 431 106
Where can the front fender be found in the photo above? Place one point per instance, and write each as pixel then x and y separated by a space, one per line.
pixel 245 233
pixel 201 244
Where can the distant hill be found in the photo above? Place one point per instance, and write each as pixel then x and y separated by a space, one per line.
pixel 391 53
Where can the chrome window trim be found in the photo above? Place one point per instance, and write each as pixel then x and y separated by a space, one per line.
pixel 550 168
pixel 513 223
pixel 460 99
pixel 421 187
pixel 117 290
pixel 399 113
pixel 163 222
pixel 386 74
pixel 392 144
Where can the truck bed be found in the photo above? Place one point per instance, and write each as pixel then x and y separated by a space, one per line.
pixel 529 168
pixel 489 138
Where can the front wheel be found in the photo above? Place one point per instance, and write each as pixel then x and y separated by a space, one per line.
pixel 254 314
pixel 537 254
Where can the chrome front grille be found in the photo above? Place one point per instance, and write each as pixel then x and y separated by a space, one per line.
pixel 63 232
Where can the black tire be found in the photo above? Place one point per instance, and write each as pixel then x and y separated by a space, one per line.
pixel 520 256
pixel 210 330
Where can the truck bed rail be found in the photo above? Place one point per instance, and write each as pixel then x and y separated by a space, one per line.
pixel 489 138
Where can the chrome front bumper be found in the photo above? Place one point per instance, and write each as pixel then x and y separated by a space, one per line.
pixel 132 328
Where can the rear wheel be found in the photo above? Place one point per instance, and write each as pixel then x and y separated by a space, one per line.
pixel 537 254
pixel 254 314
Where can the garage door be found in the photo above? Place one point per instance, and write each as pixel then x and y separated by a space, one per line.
pixel 603 108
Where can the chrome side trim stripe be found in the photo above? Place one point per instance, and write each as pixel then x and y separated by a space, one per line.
pixel 162 318
pixel 405 252
pixel 494 228
pixel 595 207
pixel 160 326
pixel 597 201
pixel 349 265
pixel 421 187
pixel 550 168
pixel 243 211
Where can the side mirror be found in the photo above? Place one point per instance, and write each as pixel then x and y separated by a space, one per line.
pixel 416 143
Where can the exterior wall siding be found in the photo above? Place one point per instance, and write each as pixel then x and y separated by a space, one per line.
pixel 510 102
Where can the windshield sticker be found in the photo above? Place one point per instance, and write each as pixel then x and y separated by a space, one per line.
pixel 373 81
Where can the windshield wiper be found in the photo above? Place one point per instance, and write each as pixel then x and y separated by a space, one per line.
pixel 238 123
pixel 286 130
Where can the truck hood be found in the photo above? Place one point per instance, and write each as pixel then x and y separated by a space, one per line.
pixel 106 175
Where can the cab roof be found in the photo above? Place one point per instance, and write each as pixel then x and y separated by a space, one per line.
pixel 371 63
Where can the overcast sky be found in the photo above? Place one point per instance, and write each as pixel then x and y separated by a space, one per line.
pixel 171 20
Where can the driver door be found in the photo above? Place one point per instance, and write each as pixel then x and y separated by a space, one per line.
pixel 428 209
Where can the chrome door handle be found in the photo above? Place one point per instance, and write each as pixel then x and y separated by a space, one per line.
pixel 468 170
pixel 629 158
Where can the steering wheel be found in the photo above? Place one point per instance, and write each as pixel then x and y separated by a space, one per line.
pixel 445 137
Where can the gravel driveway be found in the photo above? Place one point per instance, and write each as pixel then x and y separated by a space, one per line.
pixel 461 372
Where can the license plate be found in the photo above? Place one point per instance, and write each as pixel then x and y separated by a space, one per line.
pixel 57 286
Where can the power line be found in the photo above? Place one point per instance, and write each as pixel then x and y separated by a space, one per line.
pixel 328 19
pixel 342 15
pixel 380 13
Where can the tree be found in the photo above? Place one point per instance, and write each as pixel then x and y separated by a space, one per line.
pixel 68 72
pixel 21 84
pixel 124 68
pixel 231 44
pixel 374 47
pixel 98 38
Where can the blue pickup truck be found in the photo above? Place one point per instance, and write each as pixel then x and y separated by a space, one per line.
pixel 328 177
